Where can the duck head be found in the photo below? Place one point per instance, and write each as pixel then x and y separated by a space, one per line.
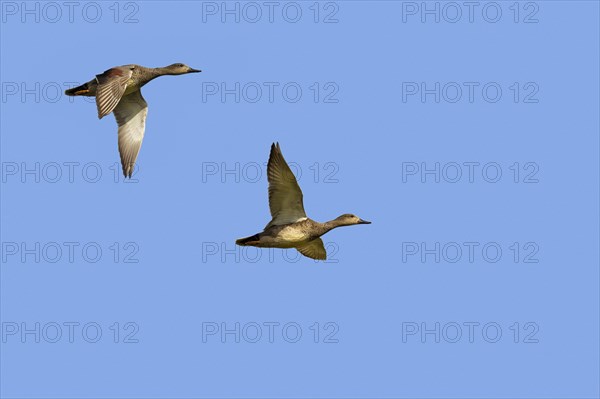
pixel 180 69
pixel 348 219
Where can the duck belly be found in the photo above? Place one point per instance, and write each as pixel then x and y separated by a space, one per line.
pixel 289 237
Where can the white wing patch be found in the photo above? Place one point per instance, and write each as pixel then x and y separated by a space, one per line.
pixel 131 114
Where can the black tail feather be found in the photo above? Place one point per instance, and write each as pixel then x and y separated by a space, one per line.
pixel 78 91
pixel 245 241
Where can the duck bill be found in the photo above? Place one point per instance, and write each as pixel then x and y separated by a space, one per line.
pixel 361 221
pixel 192 70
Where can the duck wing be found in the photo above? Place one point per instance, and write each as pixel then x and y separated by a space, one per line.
pixel 111 86
pixel 130 114
pixel 285 196
pixel 313 249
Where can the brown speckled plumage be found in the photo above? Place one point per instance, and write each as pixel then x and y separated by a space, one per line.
pixel 117 90
pixel 290 227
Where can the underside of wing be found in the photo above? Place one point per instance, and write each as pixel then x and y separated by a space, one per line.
pixel 285 197
pixel 131 114
pixel 111 86
pixel 313 249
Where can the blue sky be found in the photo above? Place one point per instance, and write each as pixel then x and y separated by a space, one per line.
pixel 468 136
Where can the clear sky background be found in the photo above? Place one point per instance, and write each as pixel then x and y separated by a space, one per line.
pixel 481 284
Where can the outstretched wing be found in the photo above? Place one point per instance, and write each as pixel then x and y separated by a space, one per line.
pixel 285 196
pixel 313 249
pixel 130 114
pixel 111 86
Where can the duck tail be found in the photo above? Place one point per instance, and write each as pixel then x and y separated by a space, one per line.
pixel 79 90
pixel 245 241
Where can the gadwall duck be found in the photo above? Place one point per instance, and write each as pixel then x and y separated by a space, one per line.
pixel 290 227
pixel 117 90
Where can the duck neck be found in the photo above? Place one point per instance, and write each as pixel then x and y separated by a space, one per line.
pixel 330 225
pixel 163 71
pixel 154 73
